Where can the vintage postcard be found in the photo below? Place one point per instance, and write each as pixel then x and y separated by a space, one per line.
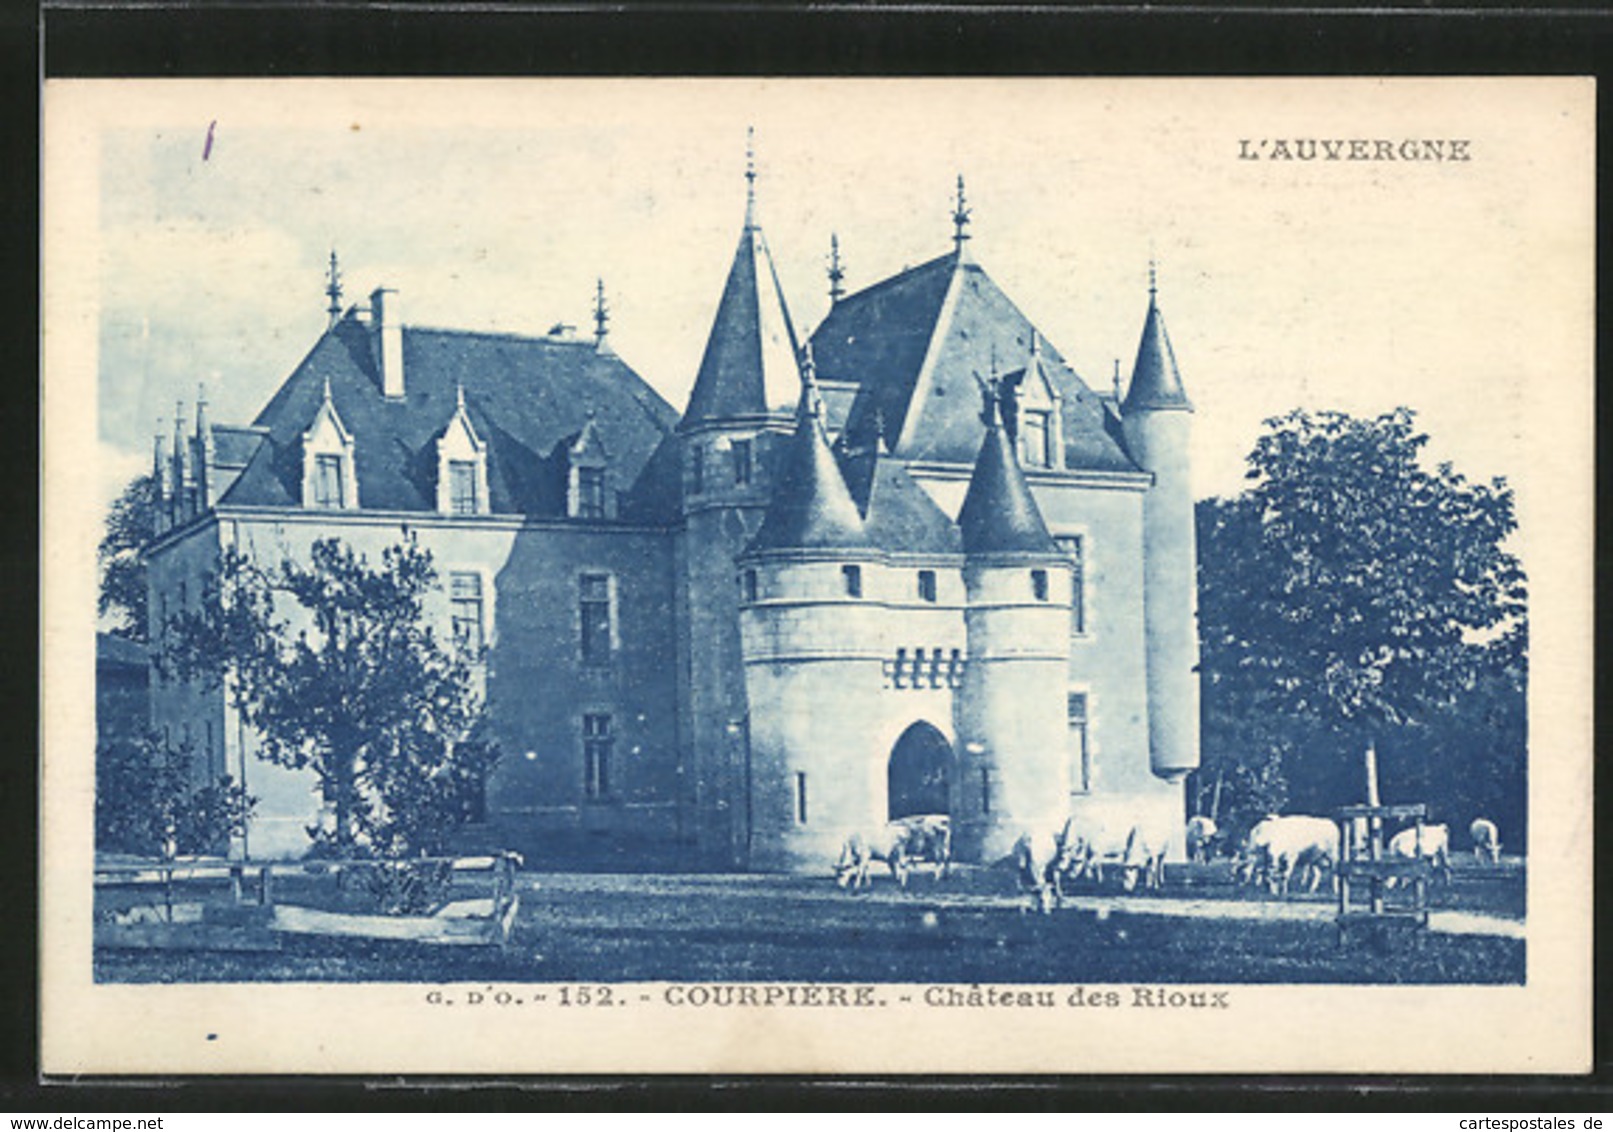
pixel 830 576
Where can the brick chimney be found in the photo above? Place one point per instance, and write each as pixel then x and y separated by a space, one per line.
pixel 386 324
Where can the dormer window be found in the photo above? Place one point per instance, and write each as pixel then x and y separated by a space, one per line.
pixel 328 480
pixel 587 479
pixel 1035 451
pixel 327 468
pixel 463 498
pixel 461 465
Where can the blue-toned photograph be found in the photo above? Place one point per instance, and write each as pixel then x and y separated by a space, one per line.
pixel 664 536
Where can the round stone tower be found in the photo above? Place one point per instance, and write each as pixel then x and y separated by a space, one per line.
pixel 1015 774
pixel 812 646
pixel 1157 419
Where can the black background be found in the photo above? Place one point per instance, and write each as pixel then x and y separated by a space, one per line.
pixel 664 39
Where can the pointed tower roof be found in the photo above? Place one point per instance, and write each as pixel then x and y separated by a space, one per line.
pixel 999 515
pixel 1155 381
pixel 812 508
pixel 749 365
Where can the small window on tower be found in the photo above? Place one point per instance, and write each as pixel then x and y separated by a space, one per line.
pixel 1074 549
pixel 742 462
pixel 853 576
pixel 697 469
pixel 800 797
pixel 927 585
pixel 748 585
pixel 1080 748
pixel 1039 584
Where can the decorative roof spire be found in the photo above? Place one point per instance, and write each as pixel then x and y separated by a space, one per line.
pixel 1156 383
pixel 201 410
pixel 327 389
pixel 333 290
pixel 999 514
pixel 837 271
pixel 1117 381
pixel 601 313
pixel 459 394
pixel 750 176
pixel 960 218
pixel 812 400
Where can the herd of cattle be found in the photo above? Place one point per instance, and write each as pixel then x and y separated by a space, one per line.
pixel 1280 853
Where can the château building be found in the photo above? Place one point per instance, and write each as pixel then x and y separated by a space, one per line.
pixel 907 563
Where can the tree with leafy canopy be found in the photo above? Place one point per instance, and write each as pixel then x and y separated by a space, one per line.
pixel 131 524
pixel 1352 596
pixel 147 804
pixel 361 691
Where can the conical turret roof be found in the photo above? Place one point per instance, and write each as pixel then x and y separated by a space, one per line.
pixel 812 508
pixel 749 364
pixel 999 514
pixel 1155 381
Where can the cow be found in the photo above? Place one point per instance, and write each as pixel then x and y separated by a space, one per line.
pixel 1087 847
pixel 921 839
pixel 1201 836
pixel 1036 860
pixel 1086 844
pixel 1279 847
pixel 1436 848
pixel 930 841
pixel 1486 841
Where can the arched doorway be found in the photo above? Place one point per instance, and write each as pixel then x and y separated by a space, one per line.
pixel 919 772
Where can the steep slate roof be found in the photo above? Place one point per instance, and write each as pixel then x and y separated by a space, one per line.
pixel 811 508
pixel 749 366
pixel 120 652
pixel 526 397
pixel 917 344
pixel 999 515
pixel 898 514
pixel 1155 381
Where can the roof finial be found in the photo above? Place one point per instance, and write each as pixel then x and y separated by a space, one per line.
pixel 988 400
pixel 601 313
pixel 327 389
pixel 879 431
pixel 837 271
pixel 201 409
pixel 333 290
pixel 960 218
pixel 1153 279
pixel 1117 381
pixel 750 176
pixel 459 395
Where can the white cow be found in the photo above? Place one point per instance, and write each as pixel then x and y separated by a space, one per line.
pixel 888 845
pixel 899 845
pixel 1201 835
pixel 1036 864
pixel 1486 840
pixel 1278 847
pixel 1086 844
pixel 1436 848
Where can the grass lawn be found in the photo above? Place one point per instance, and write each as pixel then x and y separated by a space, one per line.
pixel 970 928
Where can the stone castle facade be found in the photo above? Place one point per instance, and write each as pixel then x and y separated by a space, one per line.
pixel 909 563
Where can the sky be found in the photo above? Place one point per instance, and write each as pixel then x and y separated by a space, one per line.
pixel 208 210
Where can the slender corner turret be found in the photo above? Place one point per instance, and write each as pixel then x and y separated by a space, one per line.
pixel 1157 419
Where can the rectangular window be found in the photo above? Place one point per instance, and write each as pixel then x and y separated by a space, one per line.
pixel 800 798
pixel 901 669
pixel 1033 440
pixel 937 667
pixel 697 469
pixel 1080 751
pixel 927 585
pixel 748 585
pixel 327 481
pixel 462 487
pixel 596 755
pixel 853 576
pixel 465 610
pixel 1039 584
pixel 742 462
pixel 1074 549
pixel 985 790
pixel 590 493
pixel 918 668
pixel 596 620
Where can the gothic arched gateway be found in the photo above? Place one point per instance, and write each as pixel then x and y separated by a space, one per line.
pixel 919 772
